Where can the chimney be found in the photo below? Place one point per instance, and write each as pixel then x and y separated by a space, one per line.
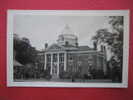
pixel 46 45
pixel 95 45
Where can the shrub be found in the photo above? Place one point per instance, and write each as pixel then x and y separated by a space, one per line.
pixel 65 75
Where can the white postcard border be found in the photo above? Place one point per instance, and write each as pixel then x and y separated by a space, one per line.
pixel 11 13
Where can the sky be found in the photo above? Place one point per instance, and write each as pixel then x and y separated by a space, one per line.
pixel 41 29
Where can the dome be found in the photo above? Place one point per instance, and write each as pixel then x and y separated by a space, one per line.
pixel 67 30
pixel 67 36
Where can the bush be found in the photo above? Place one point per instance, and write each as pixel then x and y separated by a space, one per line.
pixel 48 77
pixel 87 76
pixel 97 74
pixel 65 75
pixel 77 75
pixel 46 74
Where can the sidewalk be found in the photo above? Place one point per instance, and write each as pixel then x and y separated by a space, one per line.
pixel 66 80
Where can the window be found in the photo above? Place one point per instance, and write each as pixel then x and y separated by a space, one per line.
pixel 90 57
pixel 62 38
pixel 70 57
pixel 61 57
pixel 48 58
pixel 54 57
pixel 66 43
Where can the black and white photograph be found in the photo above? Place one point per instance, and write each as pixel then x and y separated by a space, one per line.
pixel 68 48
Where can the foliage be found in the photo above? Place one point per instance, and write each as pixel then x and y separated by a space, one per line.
pixel 25 53
pixel 97 74
pixel 112 39
pixel 117 23
pixel 65 75
pixel 103 36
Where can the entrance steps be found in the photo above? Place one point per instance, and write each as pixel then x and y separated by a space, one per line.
pixel 54 77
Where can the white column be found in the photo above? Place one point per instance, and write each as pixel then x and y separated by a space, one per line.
pixel 104 66
pixel 51 63
pixel 58 64
pixel 104 61
pixel 98 65
pixel 45 63
pixel 65 60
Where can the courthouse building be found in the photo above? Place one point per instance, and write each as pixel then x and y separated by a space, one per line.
pixel 66 55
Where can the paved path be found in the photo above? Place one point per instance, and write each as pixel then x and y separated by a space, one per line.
pixel 67 80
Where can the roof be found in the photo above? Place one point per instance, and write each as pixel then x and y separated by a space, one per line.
pixel 69 47
pixel 79 48
pixel 67 30
pixel 16 63
pixel 56 47
pixel 84 48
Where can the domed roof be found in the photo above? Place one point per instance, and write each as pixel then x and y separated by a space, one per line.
pixel 67 30
pixel 67 35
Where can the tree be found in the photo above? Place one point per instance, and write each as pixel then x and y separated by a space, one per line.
pixel 103 36
pixel 25 53
pixel 112 39
pixel 117 23
pixel 115 39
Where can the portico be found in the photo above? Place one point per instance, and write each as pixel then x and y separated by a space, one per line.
pixel 56 61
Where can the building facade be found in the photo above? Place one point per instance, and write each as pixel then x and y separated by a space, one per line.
pixel 68 56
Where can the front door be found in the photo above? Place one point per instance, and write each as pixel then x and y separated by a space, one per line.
pixel 54 70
